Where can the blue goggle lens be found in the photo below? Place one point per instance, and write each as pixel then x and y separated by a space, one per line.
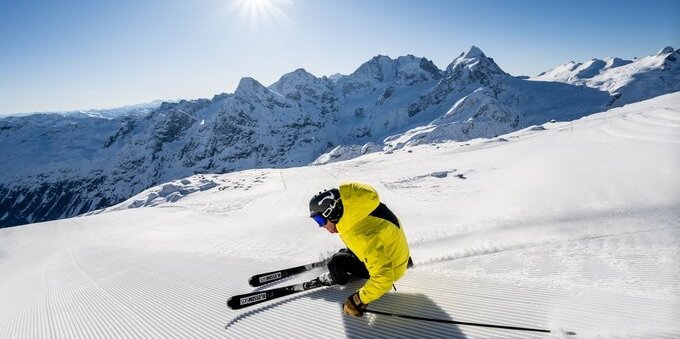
pixel 319 219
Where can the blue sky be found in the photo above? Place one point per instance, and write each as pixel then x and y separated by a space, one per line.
pixel 71 54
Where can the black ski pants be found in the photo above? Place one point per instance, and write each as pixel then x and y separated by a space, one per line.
pixel 344 266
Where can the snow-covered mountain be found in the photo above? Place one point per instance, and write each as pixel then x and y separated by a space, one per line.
pixel 627 80
pixel 56 167
pixel 108 113
pixel 571 227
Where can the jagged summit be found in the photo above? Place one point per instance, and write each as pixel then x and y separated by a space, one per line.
pixel 249 86
pixel 295 81
pixel 299 73
pixel 375 69
pixel 473 52
pixel 411 69
pixel 474 60
pixel 382 72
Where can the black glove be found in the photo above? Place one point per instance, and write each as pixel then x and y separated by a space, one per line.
pixel 354 306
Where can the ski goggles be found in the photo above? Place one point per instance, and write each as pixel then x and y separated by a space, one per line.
pixel 319 219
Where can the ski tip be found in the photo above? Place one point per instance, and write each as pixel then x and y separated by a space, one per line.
pixel 253 282
pixel 569 333
pixel 230 303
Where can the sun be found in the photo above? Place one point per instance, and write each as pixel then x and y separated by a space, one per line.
pixel 256 8
pixel 259 13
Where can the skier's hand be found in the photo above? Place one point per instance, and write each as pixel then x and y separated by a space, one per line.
pixel 354 306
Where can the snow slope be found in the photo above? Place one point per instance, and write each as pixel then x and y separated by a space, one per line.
pixel 572 226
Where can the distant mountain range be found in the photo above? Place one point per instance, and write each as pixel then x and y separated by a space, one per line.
pixel 61 165
pixel 627 80
pixel 109 113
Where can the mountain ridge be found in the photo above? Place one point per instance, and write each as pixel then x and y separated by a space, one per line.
pixel 88 163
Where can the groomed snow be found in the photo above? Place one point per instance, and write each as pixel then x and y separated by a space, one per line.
pixel 572 226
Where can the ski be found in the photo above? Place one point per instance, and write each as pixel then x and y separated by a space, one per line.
pixel 249 299
pixel 266 278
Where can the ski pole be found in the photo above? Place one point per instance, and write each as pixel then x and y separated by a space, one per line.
pixel 463 323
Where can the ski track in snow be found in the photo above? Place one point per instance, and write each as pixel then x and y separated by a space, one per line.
pixel 590 246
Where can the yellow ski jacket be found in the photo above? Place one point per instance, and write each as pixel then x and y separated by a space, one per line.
pixel 370 230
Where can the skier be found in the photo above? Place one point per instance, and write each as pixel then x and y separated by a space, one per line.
pixel 376 244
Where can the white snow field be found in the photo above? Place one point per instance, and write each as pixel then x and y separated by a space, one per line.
pixel 570 226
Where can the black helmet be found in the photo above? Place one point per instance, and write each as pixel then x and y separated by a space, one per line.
pixel 327 204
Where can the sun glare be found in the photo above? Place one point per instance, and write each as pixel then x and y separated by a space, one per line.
pixel 259 13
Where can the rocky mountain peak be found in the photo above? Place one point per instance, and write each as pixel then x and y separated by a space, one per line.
pixel 474 52
pixel 299 74
pixel 665 50
pixel 474 60
pixel 300 80
pixel 374 69
pixel 411 70
pixel 250 87
pixel 670 61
